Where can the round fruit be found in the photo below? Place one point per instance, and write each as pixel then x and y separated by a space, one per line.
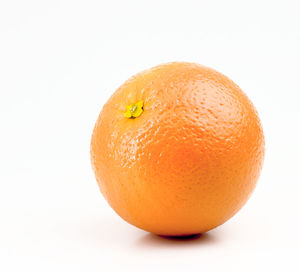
pixel 177 149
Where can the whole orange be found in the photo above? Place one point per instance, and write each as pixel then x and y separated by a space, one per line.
pixel 177 149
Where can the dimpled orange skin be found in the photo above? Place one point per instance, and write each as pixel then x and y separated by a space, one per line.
pixel 190 161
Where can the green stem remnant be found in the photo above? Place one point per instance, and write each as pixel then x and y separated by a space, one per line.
pixel 134 110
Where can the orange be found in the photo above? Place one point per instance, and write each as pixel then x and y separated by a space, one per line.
pixel 177 149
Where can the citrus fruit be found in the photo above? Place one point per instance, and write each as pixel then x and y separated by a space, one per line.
pixel 177 149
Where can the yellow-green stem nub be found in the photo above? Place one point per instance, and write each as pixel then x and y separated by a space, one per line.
pixel 134 110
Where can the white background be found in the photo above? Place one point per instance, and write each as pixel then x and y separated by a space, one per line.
pixel 59 63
